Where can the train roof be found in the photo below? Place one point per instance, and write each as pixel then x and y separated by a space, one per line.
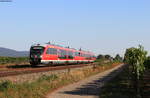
pixel 58 46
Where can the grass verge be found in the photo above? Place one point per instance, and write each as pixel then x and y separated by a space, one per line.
pixel 45 84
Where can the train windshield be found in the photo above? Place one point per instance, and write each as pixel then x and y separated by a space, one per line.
pixel 37 50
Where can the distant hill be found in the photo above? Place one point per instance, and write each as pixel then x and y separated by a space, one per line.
pixel 13 53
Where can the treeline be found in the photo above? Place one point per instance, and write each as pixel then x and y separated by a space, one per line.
pixel 110 58
pixel 13 60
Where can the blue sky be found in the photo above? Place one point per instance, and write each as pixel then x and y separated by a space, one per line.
pixel 101 26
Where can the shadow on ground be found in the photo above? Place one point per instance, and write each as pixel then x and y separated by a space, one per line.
pixel 93 88
pixel 25 66
pixel 19 66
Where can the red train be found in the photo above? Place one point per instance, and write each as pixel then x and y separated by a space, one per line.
pixel 53 54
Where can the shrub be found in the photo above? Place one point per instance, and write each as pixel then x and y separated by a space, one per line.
pixel 4 85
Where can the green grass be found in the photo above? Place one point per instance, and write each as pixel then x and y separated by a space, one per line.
pixel 13 60
pixel 35 89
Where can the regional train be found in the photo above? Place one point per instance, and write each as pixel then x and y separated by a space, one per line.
pixel 51 54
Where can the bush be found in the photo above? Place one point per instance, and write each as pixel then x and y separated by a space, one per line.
pixel 5 85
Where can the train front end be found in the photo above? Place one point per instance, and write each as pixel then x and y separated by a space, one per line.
pixel 36 53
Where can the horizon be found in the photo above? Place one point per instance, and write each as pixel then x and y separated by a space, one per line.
pixel 103 27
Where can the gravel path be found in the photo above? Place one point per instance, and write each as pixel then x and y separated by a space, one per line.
pixel 87 88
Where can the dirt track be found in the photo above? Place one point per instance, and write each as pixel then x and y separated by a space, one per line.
pixel 87 88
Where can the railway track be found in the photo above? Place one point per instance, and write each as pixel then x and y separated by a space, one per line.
pixel 20 71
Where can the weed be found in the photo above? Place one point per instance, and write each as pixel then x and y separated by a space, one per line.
pixel 48 78
pixel 4 85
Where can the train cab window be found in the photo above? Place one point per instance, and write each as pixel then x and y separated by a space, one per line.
pixel 37 50
pixel 51 51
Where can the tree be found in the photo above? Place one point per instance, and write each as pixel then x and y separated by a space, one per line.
pixel 100 56
pixel 107 56
pixel 118 58
pixel 147 62
pixel 136 58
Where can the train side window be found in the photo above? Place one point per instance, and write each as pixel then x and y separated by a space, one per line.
pixel 81 54
pixel 70 55
pixel 51 51
pixel 76 53
pixel 63 54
